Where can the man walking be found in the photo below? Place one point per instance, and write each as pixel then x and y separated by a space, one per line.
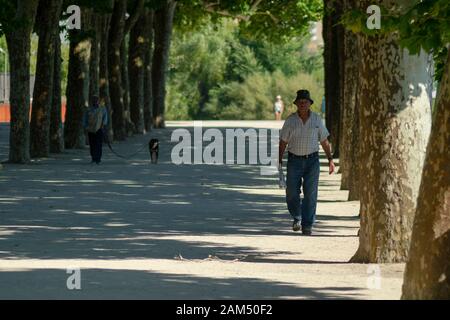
pixel 95 121
pixel 301 133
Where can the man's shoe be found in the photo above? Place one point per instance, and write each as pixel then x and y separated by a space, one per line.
pixel 307 231
pixel 296 225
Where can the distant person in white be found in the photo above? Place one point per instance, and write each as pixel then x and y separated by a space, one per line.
pixel 301 133
pixel 278 108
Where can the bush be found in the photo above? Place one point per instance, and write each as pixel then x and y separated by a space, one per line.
pixel 253 99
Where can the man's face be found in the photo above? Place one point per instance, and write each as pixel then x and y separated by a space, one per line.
pixel 303 105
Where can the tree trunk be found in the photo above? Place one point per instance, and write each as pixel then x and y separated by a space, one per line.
pixel 19 47
pixel 116 34
pixel 349 81
pixel 56 127
pixel 332 34
pixel 126 87
pixel 104 75
pixel 395 121
pixel 77 84
pixel 148 87
pixel 138 46
pixel 49 12
pixel 427 274
pixel 94 68
pixel 163 33
pixel 354 159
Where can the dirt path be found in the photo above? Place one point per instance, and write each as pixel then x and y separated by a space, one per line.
pixel 173 232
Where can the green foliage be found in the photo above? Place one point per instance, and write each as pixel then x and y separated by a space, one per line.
pixel 275 20
pixel 218 73
pixel 2 55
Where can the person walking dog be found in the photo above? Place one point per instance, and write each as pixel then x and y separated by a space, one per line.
pixel 301 134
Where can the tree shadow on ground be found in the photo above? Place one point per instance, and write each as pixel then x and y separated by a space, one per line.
pixel 138 284
pixel 63 208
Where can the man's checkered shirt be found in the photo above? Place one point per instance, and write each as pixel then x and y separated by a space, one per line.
pixel 303 138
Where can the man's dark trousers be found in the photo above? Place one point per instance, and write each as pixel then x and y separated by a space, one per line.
pixel 95 144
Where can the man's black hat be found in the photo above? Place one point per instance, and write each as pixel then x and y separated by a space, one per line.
pixel 303 94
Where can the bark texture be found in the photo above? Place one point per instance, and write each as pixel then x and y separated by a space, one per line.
pixel 427 274
pixel 395 122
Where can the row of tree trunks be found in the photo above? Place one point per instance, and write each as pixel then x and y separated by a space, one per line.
pixel 98 65
pixel 163 33
pixel 119 28
pixel 395 122
pixel 427 274
pixel 49 12
pixel 333 51
pixel 19 47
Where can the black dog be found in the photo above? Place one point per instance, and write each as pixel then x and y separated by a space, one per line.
pixel 153 147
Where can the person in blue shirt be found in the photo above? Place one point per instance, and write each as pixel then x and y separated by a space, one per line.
pixel 95 120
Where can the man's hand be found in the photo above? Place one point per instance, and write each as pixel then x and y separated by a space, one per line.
pixel 327 148
pixel 281 149
pixel 331 166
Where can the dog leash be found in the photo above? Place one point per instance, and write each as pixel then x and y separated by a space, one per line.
pixel 121 156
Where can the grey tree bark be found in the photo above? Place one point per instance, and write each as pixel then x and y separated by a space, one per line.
pixel 19 47
pixel 49 12
pixel 427 274
pixel 395 122
pixel 163 34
